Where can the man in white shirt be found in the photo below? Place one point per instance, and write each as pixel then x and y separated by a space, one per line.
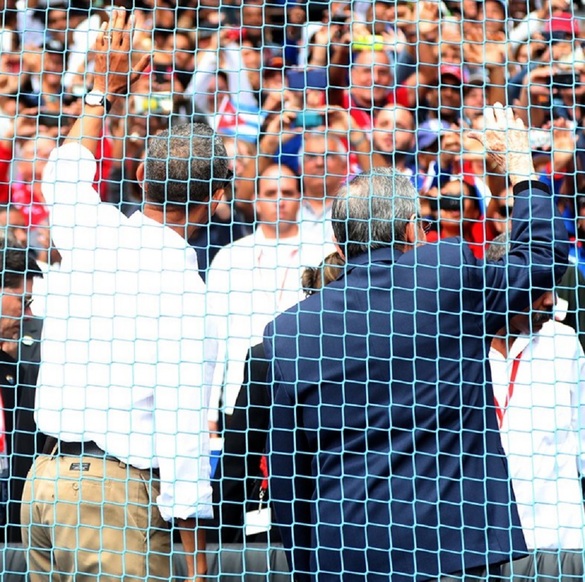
pixel 324 168
pixel 538 373
pixel 257 277
pixel 127 359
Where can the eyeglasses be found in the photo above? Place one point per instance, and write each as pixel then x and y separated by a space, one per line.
pixel 426 225
pixel 28 302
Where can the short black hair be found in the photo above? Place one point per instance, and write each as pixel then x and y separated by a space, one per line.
pixel 16 262
pixel 185 165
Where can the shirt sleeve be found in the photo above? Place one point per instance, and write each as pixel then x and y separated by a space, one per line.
pixel 79 222
pixel 580 404
pixel 536 259
pixel 217 312
pixel 181 403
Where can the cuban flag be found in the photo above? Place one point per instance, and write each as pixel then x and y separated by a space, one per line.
pixel 243 122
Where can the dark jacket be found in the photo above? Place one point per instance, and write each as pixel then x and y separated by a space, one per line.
pixel 386 459
pixel 239 477
pixel 26 441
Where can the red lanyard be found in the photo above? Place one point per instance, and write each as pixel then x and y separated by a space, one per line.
pixel 264 471
pixel 501 410
pixel 280 287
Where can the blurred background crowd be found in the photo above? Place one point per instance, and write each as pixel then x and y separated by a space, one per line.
pixel 325 89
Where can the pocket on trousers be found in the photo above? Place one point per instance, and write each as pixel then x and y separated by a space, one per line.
pixel 152 490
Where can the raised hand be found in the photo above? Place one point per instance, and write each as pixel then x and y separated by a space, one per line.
pixel 505 139
pixel 113 63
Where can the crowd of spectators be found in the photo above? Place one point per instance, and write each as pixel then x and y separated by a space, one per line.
pixel 387 82
pixel 305 94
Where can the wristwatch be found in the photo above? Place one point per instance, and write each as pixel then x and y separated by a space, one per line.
pixel 98 99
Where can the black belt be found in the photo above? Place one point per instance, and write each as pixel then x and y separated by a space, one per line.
pixel 89 449
pixel 85 449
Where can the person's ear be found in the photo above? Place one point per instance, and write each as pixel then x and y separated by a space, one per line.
pixel 338 247
pixel 140 174
pixel 218 195
pixel 411 232
pixel 216 198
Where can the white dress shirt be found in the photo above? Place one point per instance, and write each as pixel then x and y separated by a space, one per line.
pixel 543 433
pixel 314 225
pixel 126 356
pixel 249 283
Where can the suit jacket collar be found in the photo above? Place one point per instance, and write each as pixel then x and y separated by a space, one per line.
pixel 382 255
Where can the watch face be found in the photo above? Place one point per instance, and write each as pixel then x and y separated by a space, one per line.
pixel 93 99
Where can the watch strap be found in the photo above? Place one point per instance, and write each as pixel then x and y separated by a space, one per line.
pixel 103 100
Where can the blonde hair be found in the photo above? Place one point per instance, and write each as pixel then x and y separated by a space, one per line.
pixel 315 278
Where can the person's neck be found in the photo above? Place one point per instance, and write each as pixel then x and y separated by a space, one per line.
pixel 50 88
pixel 397 160
pixel 467 228
pixel 449 230
pixel 279 231
pixel 503 342
pixel 318 204
pixel 173 218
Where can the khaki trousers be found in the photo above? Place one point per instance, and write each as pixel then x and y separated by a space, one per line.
pixel 90 518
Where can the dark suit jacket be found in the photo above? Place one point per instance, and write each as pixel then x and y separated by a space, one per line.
pixel 386 459
pixel 238 476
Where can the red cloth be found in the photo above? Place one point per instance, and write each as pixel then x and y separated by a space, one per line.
pixel 103 156
pixel 5 161
pixel 481 232
pixel 32 204
pixel 29 203
pixel 362 116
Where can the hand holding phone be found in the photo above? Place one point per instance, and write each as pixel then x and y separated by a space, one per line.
pixel 563 80
pixel 309 119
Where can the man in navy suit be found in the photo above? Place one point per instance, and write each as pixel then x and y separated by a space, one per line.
pixel 386 461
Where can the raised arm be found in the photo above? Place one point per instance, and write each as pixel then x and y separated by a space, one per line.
pixel 538 250
pixel 72 167
pixel 113 79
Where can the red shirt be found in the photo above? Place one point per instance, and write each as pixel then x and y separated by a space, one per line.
pixel 32 205
pixel 476 241
pixel 363 116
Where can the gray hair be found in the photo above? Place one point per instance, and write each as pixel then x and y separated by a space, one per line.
pixel 498 247
pixel 373 211
pixel 185 164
